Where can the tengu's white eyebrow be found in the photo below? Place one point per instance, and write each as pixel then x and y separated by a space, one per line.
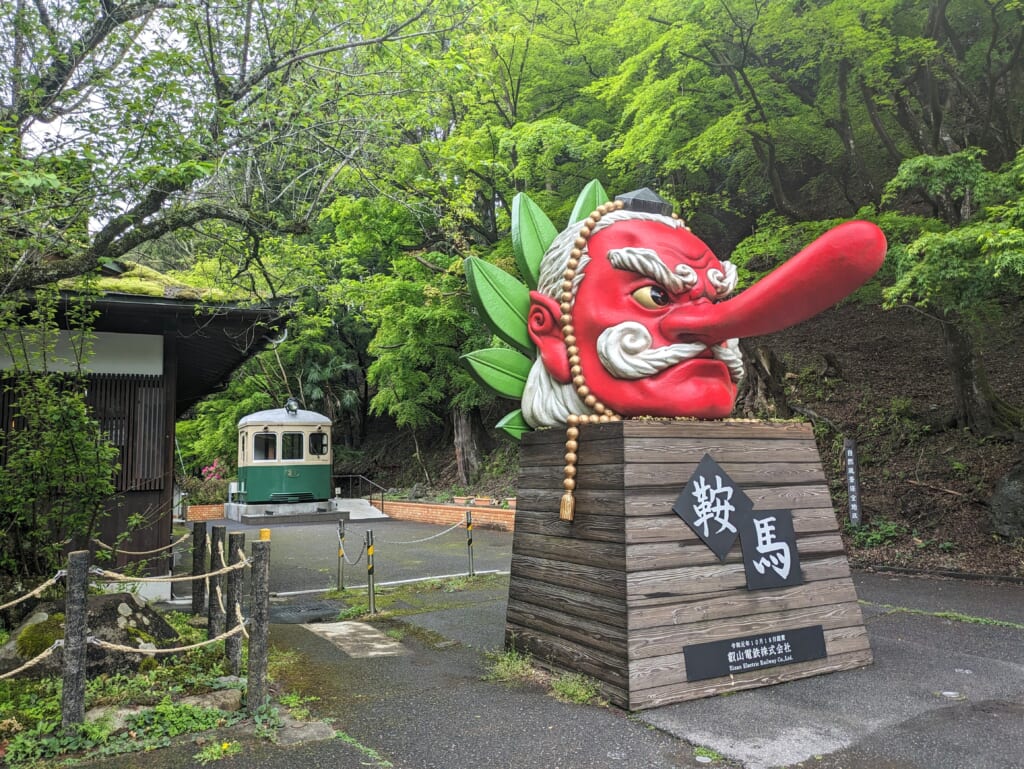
pixel 646 262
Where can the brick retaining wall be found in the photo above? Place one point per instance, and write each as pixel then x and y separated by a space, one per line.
pixel 204 512
pixel 424 512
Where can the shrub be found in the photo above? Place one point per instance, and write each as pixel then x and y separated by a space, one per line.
pixel 210 490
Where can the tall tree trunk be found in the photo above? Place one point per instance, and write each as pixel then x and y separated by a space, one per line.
pixel 763 393
pixel 975 405
pixel 470 444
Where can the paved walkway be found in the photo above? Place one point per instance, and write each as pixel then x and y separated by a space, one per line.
pixel 946 690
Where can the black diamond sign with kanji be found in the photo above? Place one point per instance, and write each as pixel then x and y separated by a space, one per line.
pixel 770 557
pixel 713 505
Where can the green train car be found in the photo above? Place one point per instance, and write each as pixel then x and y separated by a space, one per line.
pixel 284 456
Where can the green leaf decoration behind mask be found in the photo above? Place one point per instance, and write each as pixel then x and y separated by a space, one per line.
pixel 503 370
pixel 532 233
pixel 503 302
pixel 514 424
pixel 592 196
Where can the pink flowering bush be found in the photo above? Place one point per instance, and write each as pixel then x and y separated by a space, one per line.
pixel 209 488
pixel 214 472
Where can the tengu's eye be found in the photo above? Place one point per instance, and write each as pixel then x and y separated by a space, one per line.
pixel 651 297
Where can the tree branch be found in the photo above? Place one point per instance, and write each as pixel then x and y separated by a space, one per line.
pixel 64 63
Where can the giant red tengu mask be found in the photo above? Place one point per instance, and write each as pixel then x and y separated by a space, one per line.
pixel 629 315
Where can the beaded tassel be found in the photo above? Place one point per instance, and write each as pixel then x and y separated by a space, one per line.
pixel 567 508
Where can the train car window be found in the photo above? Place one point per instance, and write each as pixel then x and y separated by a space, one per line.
pixel 318 444
pixel 291 446
pixel 264 446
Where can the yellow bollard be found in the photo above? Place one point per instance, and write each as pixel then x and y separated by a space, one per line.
pixel 264 535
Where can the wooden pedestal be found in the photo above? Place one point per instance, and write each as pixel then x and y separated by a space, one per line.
pixel 619 592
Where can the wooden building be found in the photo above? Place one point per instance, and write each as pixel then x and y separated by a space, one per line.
pixel 153 358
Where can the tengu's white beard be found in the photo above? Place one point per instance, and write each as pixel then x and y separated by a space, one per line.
pixel 625 351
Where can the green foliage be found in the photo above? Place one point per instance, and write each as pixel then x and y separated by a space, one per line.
pixel 260 123
pixel 977 257
pixel 46 741
pixel 894 427
pixel 876 532
pixel 59 464
pixel 423 325
pixel 25 702
pixel 169 719
pixel 32 712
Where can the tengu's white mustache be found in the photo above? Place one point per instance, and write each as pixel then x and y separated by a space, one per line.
pixel 625 350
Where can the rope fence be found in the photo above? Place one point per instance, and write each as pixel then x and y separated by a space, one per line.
pixel 453 527
pixel 171 546
pixel 38 590
pixel 35 660
pixel 369 550
pixel 109 646
pixel 114 576
pixel 80 574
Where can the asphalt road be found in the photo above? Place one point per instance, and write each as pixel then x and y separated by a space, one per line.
pixel 946 690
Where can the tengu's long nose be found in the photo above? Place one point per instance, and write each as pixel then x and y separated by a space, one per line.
pixel 829 269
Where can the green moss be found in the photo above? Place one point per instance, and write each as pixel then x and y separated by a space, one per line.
pixel 139 280
pixel 37 638
pixel 141 636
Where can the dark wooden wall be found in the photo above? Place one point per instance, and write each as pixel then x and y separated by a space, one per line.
pixel 133 410
pixel 620 591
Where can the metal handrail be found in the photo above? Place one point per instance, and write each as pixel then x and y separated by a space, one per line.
pixel 361 480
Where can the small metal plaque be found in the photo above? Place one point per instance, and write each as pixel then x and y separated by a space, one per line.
pixel 852 480
pixel 741 655
pixel 712 505
pixel 770 557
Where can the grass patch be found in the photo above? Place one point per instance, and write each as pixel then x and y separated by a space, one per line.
pixel 297 705
pixel 217 751
pixel 707 753
pixel 577 688
pixel 954 616
pixel 280 660
pixel 511 667
pixel 403 600
pixel 876 533
pixel 378 760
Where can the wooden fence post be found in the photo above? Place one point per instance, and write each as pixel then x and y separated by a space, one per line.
pixel 75 634
pixel 259 626
pixel 198 567
pixel 215 623
pixel 233 644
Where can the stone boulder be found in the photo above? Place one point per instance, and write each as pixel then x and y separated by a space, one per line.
pixel 119 618
pixel 1006 506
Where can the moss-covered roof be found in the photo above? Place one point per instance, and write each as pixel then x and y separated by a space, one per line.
pixel 127 277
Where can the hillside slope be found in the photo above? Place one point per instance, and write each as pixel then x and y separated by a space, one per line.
pixel 925 488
